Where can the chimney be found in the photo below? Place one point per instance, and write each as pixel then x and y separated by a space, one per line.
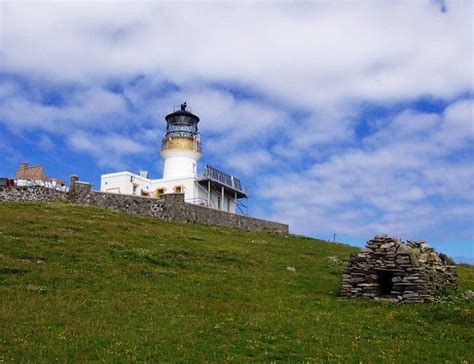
pixel 21 172
pixel 72 183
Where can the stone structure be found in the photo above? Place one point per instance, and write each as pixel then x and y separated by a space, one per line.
pixel 32 193
pixel 35 173
pixel 404 272
pixel 169 207
pixel 77 186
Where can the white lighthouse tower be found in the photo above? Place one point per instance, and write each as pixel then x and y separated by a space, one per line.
pixel 181 151
pixel 181 147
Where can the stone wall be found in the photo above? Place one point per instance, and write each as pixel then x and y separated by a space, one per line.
pixel 403 272
pixel 169 207
pixel 32 193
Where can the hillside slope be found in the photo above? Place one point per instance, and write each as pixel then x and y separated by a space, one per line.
pixel 81 284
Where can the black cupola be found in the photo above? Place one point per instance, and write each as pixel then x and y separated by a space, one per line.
pixel 181 123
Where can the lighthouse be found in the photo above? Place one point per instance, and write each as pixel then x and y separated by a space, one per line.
pixel 181 146
pixel 181 152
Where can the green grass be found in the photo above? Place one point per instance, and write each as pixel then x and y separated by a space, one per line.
pixel 83 284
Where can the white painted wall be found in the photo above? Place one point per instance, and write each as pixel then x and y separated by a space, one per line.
pixel 133 184
pixel 179 163
pixel 188 186
pixel 125 183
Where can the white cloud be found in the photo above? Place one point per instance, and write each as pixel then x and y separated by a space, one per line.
pixel 458 126
pixel 401 180
pixel 277 86
pixel 91 108
pixel 45 143
pixel 308 54
pixel 251 161
pixel 109 150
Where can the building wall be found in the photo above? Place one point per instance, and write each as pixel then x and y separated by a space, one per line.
pixel 132 184
pixel 31 173
pixel 169 207
pixel 179 163
pixel 126 183
pixel 187 186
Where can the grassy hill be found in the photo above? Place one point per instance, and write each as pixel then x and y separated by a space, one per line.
pixel 85 284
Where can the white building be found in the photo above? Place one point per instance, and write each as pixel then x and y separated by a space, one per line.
pixel 181 151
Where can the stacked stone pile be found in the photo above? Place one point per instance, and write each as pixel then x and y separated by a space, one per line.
pixel 404 272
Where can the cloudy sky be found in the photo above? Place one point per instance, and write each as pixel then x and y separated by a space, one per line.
pixel 352 118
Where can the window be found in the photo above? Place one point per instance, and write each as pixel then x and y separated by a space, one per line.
pixel 219 202
pixel 228 204
pixel 178 189
pixel 159 191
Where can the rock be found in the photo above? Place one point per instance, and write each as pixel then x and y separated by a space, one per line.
pixel 291 269
pixel 446 260
pixel 469 294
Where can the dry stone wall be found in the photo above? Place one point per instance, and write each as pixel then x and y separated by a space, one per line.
pixel 32 193
pixel 404 272
pixel 169 207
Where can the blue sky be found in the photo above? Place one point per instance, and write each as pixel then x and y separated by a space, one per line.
pixel 353 118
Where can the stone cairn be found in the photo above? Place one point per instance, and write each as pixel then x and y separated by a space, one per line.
pixel 408 272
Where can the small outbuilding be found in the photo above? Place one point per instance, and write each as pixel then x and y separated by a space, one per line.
pixel 408 272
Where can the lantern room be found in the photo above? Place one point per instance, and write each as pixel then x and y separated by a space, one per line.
pixel 181 123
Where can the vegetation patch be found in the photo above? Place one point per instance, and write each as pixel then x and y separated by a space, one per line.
pixel 80 284
pixel 13 270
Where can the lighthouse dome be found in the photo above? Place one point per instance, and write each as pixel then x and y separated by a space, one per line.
pixel 181 123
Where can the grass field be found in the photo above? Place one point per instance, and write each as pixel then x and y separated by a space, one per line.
pixel 83 284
